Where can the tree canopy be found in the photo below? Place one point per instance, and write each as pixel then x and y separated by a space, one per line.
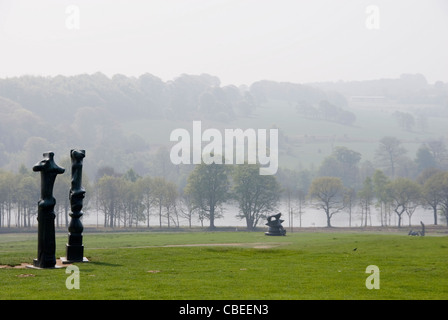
pixel 208 186
pixel 257 195
pixel 328 194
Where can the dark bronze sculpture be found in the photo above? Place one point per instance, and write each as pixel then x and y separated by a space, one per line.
pixel 275 226
pixel 418 233
pixel 46 238
pixel 74 247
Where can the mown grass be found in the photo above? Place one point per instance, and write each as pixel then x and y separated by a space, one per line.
pixel 298 266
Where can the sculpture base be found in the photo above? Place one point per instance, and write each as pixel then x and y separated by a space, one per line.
pixel 75 253
pixel 37 265
pixel 279 233
pixel 64 260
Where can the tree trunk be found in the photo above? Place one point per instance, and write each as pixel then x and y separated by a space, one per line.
pixel 66 213
pixel 381 213
pixel 9 215
pixel 160 214
pixel 111 216
pixel 399 219
pixel 29 217
pixel 328 218
pixel 168 216
pixel 212 217
pixel 435 214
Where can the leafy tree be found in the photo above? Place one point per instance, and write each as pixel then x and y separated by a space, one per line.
pixel 295 185
pixel 208 187
pixel 365 196
pixel 164 195
pixel 27 193
pixel 405 120
pixel 432 193
pixel 380 182
pixel 327 110
pixel 132 203
pixel 404 194
pixel 146 188
pixel 161 165
pixel 131 175
pixel 342 163
pixel 444 201
pixel 109 193
pixel 346 117
pixel 306 109
pixel 424 159
pixel 105 171
pixel 349 161
pixel 349 202
pixel 426 174
pixel 439 152
pixel 171 194
pixel 8 196
pixel 328 194
pixel 159 195
pixel 330 166
pixel 257 195
pixel 61 192
pixel 389 153
pixel 187 208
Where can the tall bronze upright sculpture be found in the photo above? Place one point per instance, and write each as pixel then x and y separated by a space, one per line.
pixel 46 238
pixel 74 247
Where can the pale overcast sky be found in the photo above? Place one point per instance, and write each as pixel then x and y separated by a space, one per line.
pixel 239 41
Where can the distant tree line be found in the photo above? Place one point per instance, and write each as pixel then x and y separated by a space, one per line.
pixel 341 183
pixel 325 110
pixel 409 89
pixel 49 113
pixel 38 114
pixel 20 192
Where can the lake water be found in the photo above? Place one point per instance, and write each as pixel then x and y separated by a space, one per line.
pixel 310 217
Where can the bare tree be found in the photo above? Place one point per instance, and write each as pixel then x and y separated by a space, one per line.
pixel 404 193
pixel 365 196
pixel 349 203
pixel 186 208
pixel 147 188
pixel 328 194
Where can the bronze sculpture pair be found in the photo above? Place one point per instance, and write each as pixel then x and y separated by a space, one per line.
pixel 46 239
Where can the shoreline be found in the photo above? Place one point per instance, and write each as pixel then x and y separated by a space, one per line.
pixel 430 229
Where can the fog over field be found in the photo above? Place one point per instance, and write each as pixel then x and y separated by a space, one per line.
pixel 351 90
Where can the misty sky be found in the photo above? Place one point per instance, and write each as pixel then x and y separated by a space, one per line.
pixel 240 41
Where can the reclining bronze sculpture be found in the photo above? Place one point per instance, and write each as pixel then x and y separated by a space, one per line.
pixel 275 226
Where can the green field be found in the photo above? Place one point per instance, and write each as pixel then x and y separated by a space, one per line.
pixel 233 265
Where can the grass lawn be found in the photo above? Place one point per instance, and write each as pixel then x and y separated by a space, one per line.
pixel 233 266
